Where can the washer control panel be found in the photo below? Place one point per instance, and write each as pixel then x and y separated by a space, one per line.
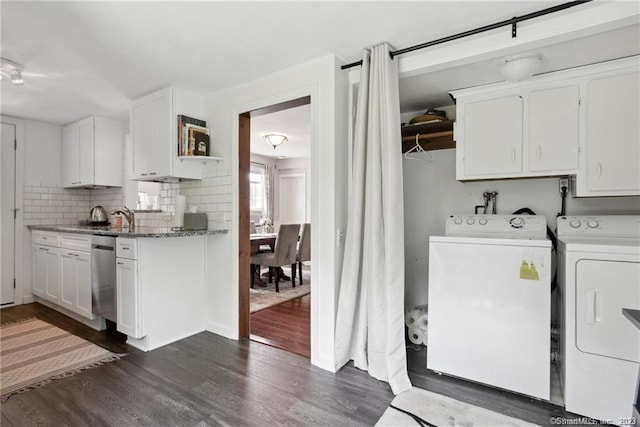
pixel 497 226
pixel 609 226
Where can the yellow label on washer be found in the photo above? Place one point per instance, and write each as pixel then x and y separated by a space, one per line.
pixel 528 271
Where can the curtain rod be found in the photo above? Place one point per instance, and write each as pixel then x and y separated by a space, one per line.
pixel 513 21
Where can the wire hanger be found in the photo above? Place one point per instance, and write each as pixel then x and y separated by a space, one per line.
pixel 418 149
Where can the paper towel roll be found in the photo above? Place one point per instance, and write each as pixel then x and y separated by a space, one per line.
pixel 417 336
pixel 411 318
pixel 422 321
pixel 181 202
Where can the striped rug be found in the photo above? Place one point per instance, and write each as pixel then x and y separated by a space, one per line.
pixel 33 352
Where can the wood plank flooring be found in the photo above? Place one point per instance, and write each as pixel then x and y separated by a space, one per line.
pixel 286 326
pixel 208 380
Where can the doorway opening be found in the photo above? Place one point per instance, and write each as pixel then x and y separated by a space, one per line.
pixel 274 190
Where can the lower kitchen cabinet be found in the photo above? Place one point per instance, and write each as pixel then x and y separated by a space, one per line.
pixel 75 281
pixel 62 270
pixel 128 298
pixel 46 272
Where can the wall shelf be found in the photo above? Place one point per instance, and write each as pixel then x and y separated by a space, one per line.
pixel 203 159
pixel 431 136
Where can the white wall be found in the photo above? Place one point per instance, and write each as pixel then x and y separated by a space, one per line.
pixel 323 80
pixel 431 193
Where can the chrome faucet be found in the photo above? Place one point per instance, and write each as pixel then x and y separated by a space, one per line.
pixel 128 214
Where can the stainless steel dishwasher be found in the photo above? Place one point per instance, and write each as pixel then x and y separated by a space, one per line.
pixel 103 276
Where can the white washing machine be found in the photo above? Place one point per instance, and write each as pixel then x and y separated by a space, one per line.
pixel 489 302
pixel 598 276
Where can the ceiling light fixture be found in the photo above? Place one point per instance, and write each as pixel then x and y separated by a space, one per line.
pixel 275 139
pixel 520 67
pixel 11 70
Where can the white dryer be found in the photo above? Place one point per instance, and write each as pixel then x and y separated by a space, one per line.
pixel 489 302
pixel 598 276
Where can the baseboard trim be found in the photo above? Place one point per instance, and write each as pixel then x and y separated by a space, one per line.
pixel 221 330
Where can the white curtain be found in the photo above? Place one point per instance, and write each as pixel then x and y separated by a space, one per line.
pixel 269 180
pixel 370 318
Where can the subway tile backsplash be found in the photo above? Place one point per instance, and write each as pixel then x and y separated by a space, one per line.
pixel 51 205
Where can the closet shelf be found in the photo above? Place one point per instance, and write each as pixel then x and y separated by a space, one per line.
pixel 431 136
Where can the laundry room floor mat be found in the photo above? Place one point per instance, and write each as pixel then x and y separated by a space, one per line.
pixel 438 410
pixel 34 352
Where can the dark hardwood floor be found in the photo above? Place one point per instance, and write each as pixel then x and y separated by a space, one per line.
pixel 208 380
pixel 286 326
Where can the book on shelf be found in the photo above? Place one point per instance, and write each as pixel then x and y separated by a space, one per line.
pixel 186 147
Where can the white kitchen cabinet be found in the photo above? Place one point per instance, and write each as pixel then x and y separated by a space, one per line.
pixel 46 272
pixel 154 130
pixel 75 281
pixel 515 130
pixel 92 153
pixel 128 298
pixel 128 304
pixel 75 274
pixel 611 159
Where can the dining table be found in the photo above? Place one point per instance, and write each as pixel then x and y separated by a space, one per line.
pixel 260 239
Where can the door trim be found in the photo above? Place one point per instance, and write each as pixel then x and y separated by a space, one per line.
pixel 244 246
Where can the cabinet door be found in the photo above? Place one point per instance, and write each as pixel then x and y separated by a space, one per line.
pixel 613 135
pixel 128 297
pixel 493 137
pixel 71 156
pixel 46 272
pixel 83 284
pixel 68 279
pixel 142 134
pixel 162 147
pixel 86 149
pixel 553 129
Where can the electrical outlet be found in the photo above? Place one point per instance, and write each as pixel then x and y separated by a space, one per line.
pixel 563 183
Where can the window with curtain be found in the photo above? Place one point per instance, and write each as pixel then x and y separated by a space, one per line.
pixel 257 191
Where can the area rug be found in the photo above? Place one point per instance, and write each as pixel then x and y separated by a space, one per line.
pixel 261 298
pixel 33 353
pixel 438 410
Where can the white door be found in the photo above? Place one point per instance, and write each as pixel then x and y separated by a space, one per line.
pixel 292 198
pixel 128 312
pixel 68 279
pixel 70 155
pixel 7 213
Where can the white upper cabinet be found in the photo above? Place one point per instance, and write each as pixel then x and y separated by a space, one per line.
pixel 92 153
pixel 553 129
pixel 611 161
pixel 154 128
pixel 492 132
pixel 516 131
pixel 582 121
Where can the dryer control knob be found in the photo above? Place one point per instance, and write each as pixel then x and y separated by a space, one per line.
pixel 574 223
pixel 482 221
pixel 457 221
pixel 592 224
pixel 470 221
pixel 516 222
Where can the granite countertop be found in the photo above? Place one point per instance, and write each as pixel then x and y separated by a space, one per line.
pixel 144 231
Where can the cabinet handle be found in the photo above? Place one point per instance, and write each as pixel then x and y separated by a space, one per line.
pixel 590 313
pixel 144 174
pixel 70 254
pixel 44 249
pixel 539 152
pixel 44 238
pixel 120 263
pixel 513 154
pixel 599 170
pixel 153 173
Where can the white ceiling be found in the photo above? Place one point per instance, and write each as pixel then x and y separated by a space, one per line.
pixel 84 58
pixel 294 123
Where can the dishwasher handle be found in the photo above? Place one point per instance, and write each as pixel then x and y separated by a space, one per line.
pixel 103 247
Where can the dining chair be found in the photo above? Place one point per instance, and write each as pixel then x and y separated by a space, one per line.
pixel 304 248
pixel 284 253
